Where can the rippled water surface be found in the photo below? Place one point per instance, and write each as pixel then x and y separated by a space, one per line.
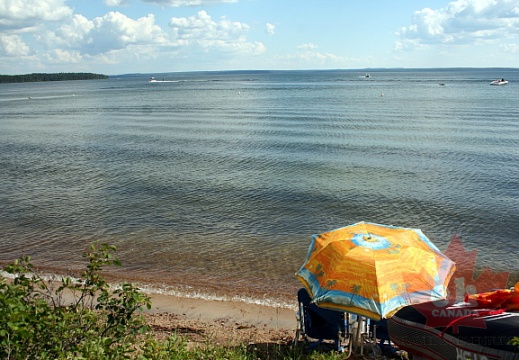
pixel 215 182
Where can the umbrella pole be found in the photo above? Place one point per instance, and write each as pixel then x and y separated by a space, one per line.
pixel 360 333
pixel 348 335
pixel 356 341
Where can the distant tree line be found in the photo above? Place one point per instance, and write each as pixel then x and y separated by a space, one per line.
pixel 36 77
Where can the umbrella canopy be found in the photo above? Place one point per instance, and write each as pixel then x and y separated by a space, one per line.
pixel 374 270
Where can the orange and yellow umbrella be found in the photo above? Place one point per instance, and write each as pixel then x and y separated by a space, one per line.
pixel 374 270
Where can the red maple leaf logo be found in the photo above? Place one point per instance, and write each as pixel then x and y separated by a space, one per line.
pixel 463 282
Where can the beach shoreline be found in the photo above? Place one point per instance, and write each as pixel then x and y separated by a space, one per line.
pixel 225 322
pixel 269 330
pixel 224 311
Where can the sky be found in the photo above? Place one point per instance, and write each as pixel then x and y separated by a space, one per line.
pixel 115 37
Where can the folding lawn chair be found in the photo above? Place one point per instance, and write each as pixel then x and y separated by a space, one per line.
pixel 319 324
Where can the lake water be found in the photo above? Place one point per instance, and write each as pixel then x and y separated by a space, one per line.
pixel 213 183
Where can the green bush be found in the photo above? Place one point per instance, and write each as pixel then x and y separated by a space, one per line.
pixel 84 318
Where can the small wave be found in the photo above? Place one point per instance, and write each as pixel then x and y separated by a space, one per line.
pixel 169 291
pixel 193 294
pixel 38 97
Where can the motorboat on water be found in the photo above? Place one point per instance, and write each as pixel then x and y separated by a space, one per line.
pixel 153 80
pixel 499 82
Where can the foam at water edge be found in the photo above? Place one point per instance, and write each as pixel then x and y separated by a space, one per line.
pixel 169 291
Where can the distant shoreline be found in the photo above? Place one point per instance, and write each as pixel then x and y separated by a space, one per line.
pixel 281 71
pixel 41 77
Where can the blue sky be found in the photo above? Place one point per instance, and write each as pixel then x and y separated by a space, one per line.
pixel 152 36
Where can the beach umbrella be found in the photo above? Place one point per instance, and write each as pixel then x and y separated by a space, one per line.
pixel 374 270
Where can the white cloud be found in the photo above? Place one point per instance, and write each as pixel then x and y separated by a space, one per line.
pixel 114 37
pixel 271 28
pixel 319 58
pixel 201 26
pixel 202 31
pixel 75 32
pixel 13 45
pixel 240 46
pixel 307 46
pixel 511 48
pixel 462 22
pixel 109 32
pixel 116 3
pixel 179 3
pixel 20 14
pixel 59 56
pixel 116 30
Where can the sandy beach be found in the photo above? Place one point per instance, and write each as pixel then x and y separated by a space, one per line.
pixel 270 330
pixel 227 322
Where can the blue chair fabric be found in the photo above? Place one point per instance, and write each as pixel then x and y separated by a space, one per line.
pixel 319 323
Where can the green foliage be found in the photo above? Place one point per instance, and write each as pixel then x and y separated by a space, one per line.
pixel 78 319
pixel 175 347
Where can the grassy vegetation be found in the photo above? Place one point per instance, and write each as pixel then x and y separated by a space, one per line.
pixel 85 318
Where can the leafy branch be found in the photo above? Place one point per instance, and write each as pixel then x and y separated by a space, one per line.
pixel 80 318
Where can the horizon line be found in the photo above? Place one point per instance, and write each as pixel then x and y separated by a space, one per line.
pixel 323 70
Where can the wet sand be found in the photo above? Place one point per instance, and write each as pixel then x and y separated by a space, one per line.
pixel 227 322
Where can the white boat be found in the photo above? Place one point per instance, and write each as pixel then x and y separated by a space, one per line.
pixel 499 82
pixel 153 80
